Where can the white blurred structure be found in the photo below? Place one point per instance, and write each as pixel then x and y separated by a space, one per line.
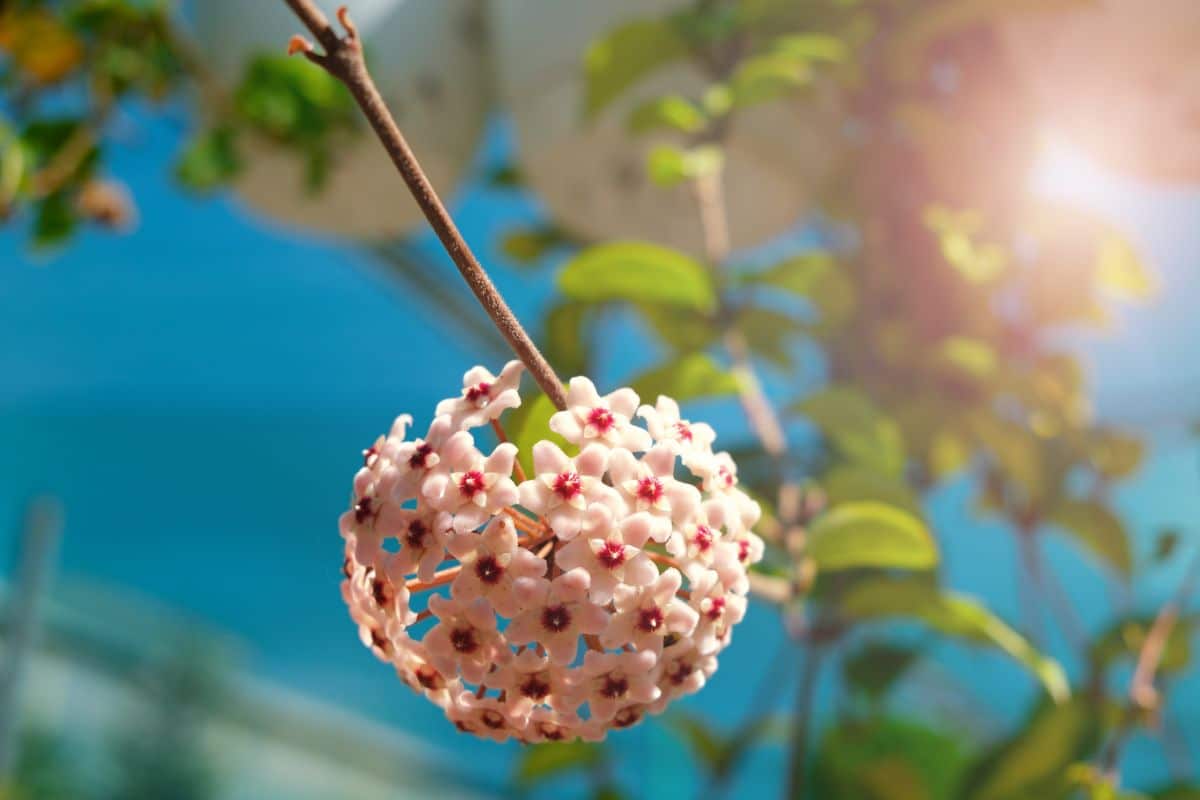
pixel 1119 79
pixel 592 174
pixel 427 57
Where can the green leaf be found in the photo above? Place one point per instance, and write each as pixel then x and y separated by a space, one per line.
pixel 1098 529
pixel 1166 543
pixel 682 328
pixel 769 334
pixel 530 423
pixel 886 758
pixel 706 744
pixel 565 343
pixel 1034 762
pixel 209 160
pixel 694 375
pixel 54 220
pixel 529 245
pixel 669 166
pixel 876 667
pixel 969 357
pixel 812 47
pixel 1114 454
pixel 950 614
pixel 870 534
pixel 760 79
pixel 816 277
pixel 637 272
pixel 627 54
pixel 1179 791
pixel 541 761
pixel 856 429
pixel 673 112
pixel 849 483
pixel 1123 641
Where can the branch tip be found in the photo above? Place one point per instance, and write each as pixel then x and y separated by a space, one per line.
pixel 343 15
pixel 298 44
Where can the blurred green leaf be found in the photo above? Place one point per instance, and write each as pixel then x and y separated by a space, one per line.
pixel 855 428
pixel 950 614
pixel 541 761
pixel 762 78
pixel 627 54
pixel 816 277
pixel 1014 450
pixel 686 378
pixel 286 99
pixel 1114 454
pixel 848 483
pixel 972 358
pixel 684 329
pixel 209 160
pixel 1181 791
pixel 720 753
pixel 811 47
pixel 637 272
pixel 870 534
pixel 1120 271
pixel 1123 642
pixel 1166 543
pixel 54 220
pixel 673 112
pixel 1098 529
pixel 875 667
pixel 528 245
pixel 669 166
pixel 769 334
pixel 886 758
pixel 1034 761
pixel 564 341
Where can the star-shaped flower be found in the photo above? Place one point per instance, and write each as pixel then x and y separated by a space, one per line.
pixel 606 420
pixel 491 562
pixel 647 614
pixel 484 396
pixel 562 488
pixel 557 613
pixel 473 488
pixel 611 553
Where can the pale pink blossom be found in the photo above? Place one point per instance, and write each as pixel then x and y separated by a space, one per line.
pixel 557 613
pixel 483 716
pixel 413 667
pixel 531 679
pixel 611 553
pixel 473 487
pixel 591 418
pixel 682 670
pixel 691 440
pixel 645 615
pixel 718 608
pixel 648 484
pixel 491 561
pixel 562 488
pixel 548 725
pixel 611 681
pixel 465 638
pixel 413 462
pixel 422 533
pixel 484 396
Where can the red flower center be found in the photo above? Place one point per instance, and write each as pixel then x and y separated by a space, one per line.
pixel 627 716
pixel 471 483
pixel 362 510
pixel 420 457
pixel 679 671
pixel 716 608
pixel 744 550
pixel 489 570
pixel 464 640
pixel 650 619
pixel 556 618
pixel 380 641
pixel 683 431
pixel 612 554
pixel 369 454
pixel 429 678
pixel 650 490
pixel 703 538
pixel 726 477
pixel 382 592
pixel 551 732
pixel 567 485
pixel 493 719
pixel 614 686
pixel 416 533
pixel 535 688
pixel 478 394
pixel 601 419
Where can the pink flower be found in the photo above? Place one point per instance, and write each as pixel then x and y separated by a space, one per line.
pixel 719 610
pixel 422 534
pixel 473 488
pixel 649 485
pixel 682 671
pixel 484 396
pixel 611 554
pixel 532 680
pixel 413 667
pixel 547 725
pixel 606 420
pixel 412 462
pixel 646 615
pixel 491 561
pixel 483 716
pixel 557 612
pixel 562 488
pixel 611 681
pixel 465 638
pixel 692 441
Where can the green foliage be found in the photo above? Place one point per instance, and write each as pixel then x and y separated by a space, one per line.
pixel 210 160
pixel 1122 642
pixel 848 483
pixel 950 614
pixel 670 166
pixel 686 378
pixel 858 431
pixel 816 277
pixel 528 424
pixel 542 761
pixel 876 667
pixel 1098 529
pixel 626 55
pixel 637 272
pixel 673 113
pixel 870 534
pixel 720 753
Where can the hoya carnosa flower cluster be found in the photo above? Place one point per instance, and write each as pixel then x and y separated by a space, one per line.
pixel 562 604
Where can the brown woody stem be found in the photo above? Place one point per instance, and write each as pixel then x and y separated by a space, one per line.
pixel 343 59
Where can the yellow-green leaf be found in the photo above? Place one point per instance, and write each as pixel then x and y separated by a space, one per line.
pixel 637 272
pixel 817 277
pixel 1098 529
pixel 870 534
pixel 626 55
pixel 672 112
pixel 855 428
pixel 848 483
pixel 694 375
pixel 530 423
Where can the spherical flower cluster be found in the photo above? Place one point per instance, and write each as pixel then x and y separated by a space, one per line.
pixel 564 603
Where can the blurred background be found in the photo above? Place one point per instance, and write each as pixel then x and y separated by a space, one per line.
pixel 961 263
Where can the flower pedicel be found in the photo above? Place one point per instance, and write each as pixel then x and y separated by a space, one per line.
pixel 558 605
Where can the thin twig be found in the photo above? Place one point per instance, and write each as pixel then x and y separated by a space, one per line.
pixel 343 59
pixel 801 724
pixel 440 578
